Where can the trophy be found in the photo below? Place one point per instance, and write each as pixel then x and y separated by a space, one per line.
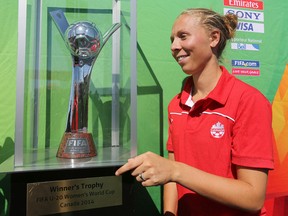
pixel 84 42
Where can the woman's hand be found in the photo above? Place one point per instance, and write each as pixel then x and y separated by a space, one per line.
pixel 149 168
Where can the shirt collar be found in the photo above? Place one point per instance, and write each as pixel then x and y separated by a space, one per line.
pixel 219 93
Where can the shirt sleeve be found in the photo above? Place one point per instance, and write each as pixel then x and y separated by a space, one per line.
pixel 252 132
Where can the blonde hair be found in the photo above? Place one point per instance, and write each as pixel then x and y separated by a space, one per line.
pixel 211 20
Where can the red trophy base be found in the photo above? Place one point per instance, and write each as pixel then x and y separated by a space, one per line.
pixel 76 145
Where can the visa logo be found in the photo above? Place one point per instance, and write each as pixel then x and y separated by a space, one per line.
pixel 246 63
pixel 244 46
pixel 250 27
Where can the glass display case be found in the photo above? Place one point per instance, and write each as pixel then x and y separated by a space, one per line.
pixel 46 75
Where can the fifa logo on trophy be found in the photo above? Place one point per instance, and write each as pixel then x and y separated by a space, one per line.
pixel 84 42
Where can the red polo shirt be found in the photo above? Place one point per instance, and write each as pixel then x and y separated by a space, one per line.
pixel 231 126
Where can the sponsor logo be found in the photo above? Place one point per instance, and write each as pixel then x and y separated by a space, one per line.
pixel 245 63
pixel 217 130
pixel 244 46
pixel 243 71
pixel 250 27
pixel 246 15
pixel 255 5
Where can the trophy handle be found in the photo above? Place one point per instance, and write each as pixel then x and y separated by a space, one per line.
pixel 108 33
pixel 60 21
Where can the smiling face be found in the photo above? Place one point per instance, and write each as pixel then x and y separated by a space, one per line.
pixel 191 44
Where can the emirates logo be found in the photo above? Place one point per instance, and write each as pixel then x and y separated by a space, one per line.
pixel 217 130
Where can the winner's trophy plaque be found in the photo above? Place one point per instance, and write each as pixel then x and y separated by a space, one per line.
pixel 84 41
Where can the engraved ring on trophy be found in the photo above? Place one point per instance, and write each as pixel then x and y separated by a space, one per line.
pixel 84 41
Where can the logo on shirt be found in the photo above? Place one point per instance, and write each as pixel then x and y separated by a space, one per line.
pixel 217 130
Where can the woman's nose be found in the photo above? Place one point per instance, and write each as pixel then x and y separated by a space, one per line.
pixel 175 45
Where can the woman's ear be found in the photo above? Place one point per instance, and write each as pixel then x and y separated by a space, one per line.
pixel 214 38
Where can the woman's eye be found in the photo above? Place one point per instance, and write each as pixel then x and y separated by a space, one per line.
pixel 183 36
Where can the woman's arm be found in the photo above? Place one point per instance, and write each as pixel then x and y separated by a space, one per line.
pixel 246 192
pixel 170 197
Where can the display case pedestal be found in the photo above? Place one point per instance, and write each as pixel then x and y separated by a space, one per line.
pixel 135 198
pixel 93 191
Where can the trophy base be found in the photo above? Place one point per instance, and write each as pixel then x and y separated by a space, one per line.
pixel 76 145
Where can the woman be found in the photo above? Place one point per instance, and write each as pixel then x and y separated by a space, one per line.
pixel 220 135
